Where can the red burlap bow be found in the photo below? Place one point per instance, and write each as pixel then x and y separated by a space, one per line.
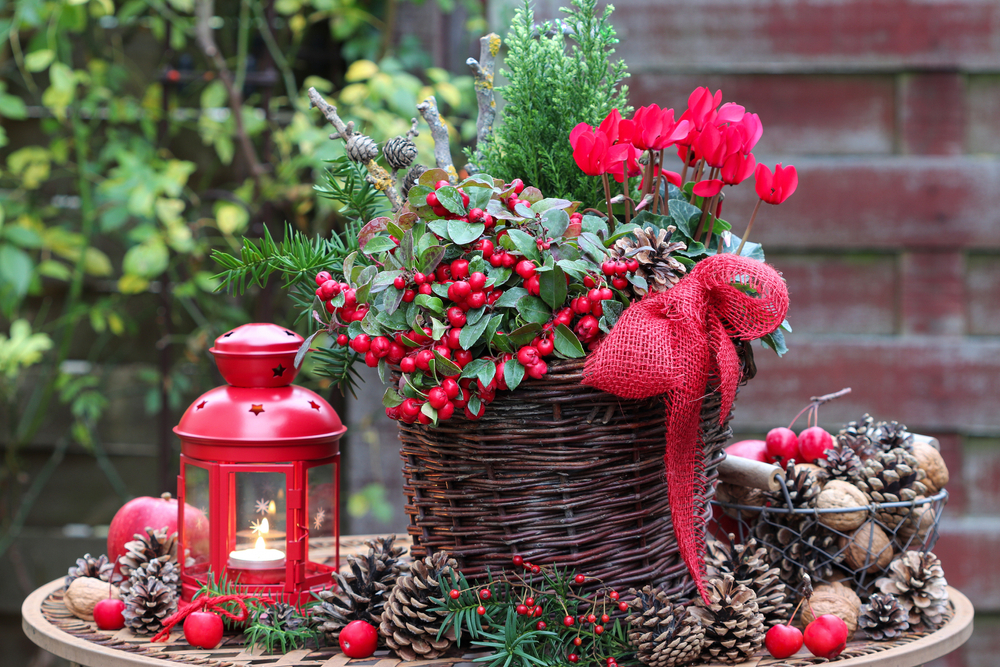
pixel 672 344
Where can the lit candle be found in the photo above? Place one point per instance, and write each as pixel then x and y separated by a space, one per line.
pixel 260 557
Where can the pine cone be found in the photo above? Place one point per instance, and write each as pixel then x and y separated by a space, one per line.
pixel 891 477
pixel 863 427
pixel 361 593
pixel 149 602
pixel 164 570
pixel 842 462
pixel 663 634
pixel 882 617
pixel 361 148
pixel 890 435
pixel 409 625
pixel 734 628
pixel 749 566
pixel 282 616
pixel 399 152
pixel 917 580
pixel 412 178
pixel 88 566
pixel 154 545
pixel 652 249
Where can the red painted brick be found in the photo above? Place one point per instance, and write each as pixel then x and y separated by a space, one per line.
pixel 953 452
pixel 932 113
pixel 821 114
pixel 933 292
pixel 982 102
pixel 831 35
pixel 931 384
pixel 878 203
pixel 980 471
pixel 968 550
pixel 849 293
pixel 983 288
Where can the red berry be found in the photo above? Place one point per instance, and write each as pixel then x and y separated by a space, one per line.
pixel 587 328
pixel 455 594
pixel 518 560
pixel 508 260
pixel 632 265
pixel 203 629
pixel 407 364
pixel 475 214
pixel 589 282
pixel 573 657
pixel 530 602
pixel 605 294
pixel 782 445
pixel 599 629
pixel 481 610
pixel 535 569
pixel 488 220
pixel 424 359
pixel 525 268
pixel 518 185
pixel 476 300
pixel 451 389
pixel 591 618
pixel 579 578
pixel 410 407
pixel 484 245
pixel 527 356
pixel 432 199
pixel 446 411
pixel 460 269
pixel 361 343
pixel 425 289
pixel 783 641
pixel 359 639
pixel 540 625
pixel 568 621
pixel 456 317
pixel 538 371
pixel 463 358
pixel 322 277
pixel 545 347
pixel 485 594
pixel 623 606
pixel 813 443
pixel 577 641
pixel 342 340
pixel 396 353
pixel 419 278
pixel 440 184
pixel 108 614
pixel 437 397
pixel 608 267
pixel 826 637
pixel 619 282
pixel 613 595
pixel 477 281
pixel 521 610
pixel 399 282
pixel 380 346
pixel 538 610
pixel 533 286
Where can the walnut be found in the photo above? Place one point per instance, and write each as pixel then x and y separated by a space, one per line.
pixel 735 494
pixel 932 463
pixel 868 547
pixel 819 472
pixel 83 595
pixel 918 524
pixel 838 494
pixel 836 599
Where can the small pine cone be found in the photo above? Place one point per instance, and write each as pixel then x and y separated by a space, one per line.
pixel 892 477
pixel 917 580
pixel 399 152
pixel 410 626
pixel 890 435
pixel 412 178
pixel 652 248
pixel 882 617
pixel 842 462
pixel 164 570
pixel 863 426
pixel 148 604
pixel 749 565
pixel 88 566
pixel 361 148
pixel 153 545
pixel 734 628
pixel 282 616
pixel 663 634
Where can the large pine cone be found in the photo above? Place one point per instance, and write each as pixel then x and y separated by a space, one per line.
pixel 88 566
pixel 892 477
pixel 410 626
pixel 164 570
pixel 890 435
pixel 734 627
pixel 148 604
pixel 399 152
pixel 749 566
pixel 652 249
pixel 663 634
pixel 362 592
pixel 882 617
pixel 153 545
pixel 917 580
pixel 412 178
pixel 842 461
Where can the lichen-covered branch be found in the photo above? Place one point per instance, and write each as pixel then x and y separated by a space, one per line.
pixel 489 46
pixel 377 175
pixel 439 131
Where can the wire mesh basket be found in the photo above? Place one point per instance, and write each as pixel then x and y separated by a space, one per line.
pixel 837 544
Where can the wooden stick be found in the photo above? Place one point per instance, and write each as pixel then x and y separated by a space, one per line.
pixel 377 176
pixel 439 131
pixel 482 70
pixel 747 472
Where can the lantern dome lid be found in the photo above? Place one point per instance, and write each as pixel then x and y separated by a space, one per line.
pixel 257 355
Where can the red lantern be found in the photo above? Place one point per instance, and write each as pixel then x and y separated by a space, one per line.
pixel 261 458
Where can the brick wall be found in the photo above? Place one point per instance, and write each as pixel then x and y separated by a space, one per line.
pixel 890 109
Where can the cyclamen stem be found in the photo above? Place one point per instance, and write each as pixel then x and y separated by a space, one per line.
pixel 711 220
pixel 607 198
pixel 746 234
pixel 684 171
pixel 656 186
pixel 628 207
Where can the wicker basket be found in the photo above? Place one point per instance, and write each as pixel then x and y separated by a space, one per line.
pixel 560 473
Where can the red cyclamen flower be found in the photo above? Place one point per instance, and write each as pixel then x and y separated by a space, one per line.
pixel 777 187
pixel 655 128
pixel 590 149
pixel 737 168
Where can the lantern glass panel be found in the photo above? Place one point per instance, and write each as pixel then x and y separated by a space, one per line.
pixel 259 512
pixel 196 495
pixel 322 512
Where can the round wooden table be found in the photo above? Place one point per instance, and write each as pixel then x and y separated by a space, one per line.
pixel 47 623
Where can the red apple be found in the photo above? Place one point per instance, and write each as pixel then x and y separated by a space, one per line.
pixel 145 512
pixel 358 639
pixel 755 450
pixel 782 445
pixel 203 629
pixel 783 641
pixel 108 614
pixel 813 443
pixel 826 636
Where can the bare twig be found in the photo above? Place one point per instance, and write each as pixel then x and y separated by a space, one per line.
pixel 377 176
pixel 489 46
pixel 439 131
pixel 204 12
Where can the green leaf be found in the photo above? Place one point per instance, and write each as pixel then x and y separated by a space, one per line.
pixel 638 281
pixel 438 328
pixel 685 216
pixel 566 342
pixel 430 258
pixel 594 225
pixel 440 227
pixel 406 248
pixel 525 243
pixel 552 287
pixel 430 302
pixel 464 233
pixel 533 309
pixel 446 367
pixel 451 199
pixel 524 335
pixel 513 373
pixel 475 315
pixel 479 197
pixel 550 204
pixel 593 246
pixel 471 333
pixel 475 367
pixel 147 260
pixel 391 398
pixel 417 196
pixel 36 61
pixel 15 270
pixel 383 280
pixel 510 298
pixel 390 304
pixel 555 222
pixel 378 244
pixel 349 265
pixel 612 309
pixel 575 267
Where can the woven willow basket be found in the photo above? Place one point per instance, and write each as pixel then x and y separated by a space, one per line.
pixel 560 473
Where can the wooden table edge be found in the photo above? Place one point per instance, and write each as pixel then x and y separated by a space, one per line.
pixel 49 637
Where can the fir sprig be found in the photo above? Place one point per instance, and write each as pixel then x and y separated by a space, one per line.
pixel 279 635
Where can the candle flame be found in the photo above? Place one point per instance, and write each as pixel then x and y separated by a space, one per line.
pixel 259 546
pixel 272 508
pixel 264 527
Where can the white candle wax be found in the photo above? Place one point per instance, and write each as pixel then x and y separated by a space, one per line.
pixel 257 558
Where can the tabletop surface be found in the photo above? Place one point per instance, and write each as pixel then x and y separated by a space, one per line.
pixel 48 623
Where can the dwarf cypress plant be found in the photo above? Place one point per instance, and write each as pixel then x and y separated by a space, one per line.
pixel 560 74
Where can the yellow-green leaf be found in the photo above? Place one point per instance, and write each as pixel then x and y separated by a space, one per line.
pixel 148 259
pixel 230 218
pixel 96 263
pixel 36 61
pixel 361 70
pixel 131 284
pixel 169 210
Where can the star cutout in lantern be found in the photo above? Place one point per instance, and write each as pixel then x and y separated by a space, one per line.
pixel 279 371
pixel 262 506
pixel 314 405
pixel 319 518
pixel 256 408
